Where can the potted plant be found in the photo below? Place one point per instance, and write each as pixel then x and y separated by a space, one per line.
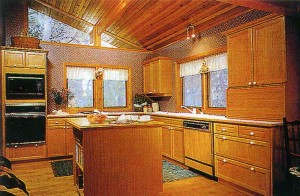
pixel 139 101
pixel 60 97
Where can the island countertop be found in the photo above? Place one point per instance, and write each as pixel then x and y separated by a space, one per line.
pixel 83 123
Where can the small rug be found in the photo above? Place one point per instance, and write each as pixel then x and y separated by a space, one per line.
pixel 62 168
pixel 171 172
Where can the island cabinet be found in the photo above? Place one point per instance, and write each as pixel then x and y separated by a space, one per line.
pixel 59 138
pixel 262 60
pixel 117 159
pixel 172 138
pixel 158 76
pixel 247 156
pixel 23 58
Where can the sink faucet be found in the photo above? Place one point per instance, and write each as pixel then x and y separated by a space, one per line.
pixel 193 111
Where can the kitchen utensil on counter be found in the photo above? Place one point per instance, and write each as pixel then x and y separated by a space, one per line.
pixel 155 107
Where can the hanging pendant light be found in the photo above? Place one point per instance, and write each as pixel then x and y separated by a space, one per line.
pixel 190 31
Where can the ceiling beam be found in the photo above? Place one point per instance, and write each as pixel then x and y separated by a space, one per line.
pixel 124 40
pixel 63 12
pixel 263 5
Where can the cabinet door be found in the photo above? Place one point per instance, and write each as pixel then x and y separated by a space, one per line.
pixel 36 60
pixel 155 77
pixel 26 152
pixel 147 80
pixel 14 59
pixel 70 141
pixel 56 142
pixel 165 76
pixel 240 60
pixel 269 52
pixel 167 142
pixel 178 146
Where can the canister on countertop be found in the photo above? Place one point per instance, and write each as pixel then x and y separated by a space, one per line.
pixel 155 107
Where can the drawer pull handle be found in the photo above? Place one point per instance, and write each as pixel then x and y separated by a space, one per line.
pixel 249 83
pixel 56 122
pixel 16 146
pixel 36 145
pixel 223 129
pixel 254 83
pixel 251 133
pixel 224 160
pixel 223 138
pixel 251 142
pixel 252 169
pixel 15 65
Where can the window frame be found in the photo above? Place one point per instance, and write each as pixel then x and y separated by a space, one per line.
pixel 98 88
pixel 205 84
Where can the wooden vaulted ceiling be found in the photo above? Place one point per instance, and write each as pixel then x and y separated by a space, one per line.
pixel 152 24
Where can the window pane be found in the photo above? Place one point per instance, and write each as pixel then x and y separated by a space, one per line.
pixel 192 90
pixel 218 86
pixel 83 92
pixel 114 93
pixel 49 29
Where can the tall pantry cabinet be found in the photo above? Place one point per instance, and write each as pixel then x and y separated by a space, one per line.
pixel 262 70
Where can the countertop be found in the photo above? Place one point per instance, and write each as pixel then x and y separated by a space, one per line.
pixel 83 123
pixel 184 116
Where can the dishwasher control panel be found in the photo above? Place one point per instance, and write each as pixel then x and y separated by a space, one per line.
pixel 201 125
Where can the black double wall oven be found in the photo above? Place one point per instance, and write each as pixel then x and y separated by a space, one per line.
pixel 25 113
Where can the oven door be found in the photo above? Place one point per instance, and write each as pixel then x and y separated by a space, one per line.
pixel 25 128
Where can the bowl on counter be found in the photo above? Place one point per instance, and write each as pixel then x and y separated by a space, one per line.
pixel 96 118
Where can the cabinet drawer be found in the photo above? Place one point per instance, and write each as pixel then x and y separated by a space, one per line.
pixel 245 150
pixel 55 122
pixel 256 133
pixel 248 176
pixel 226 129
pixel 170 121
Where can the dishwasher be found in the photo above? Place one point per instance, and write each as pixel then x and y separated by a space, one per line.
pixel 198 146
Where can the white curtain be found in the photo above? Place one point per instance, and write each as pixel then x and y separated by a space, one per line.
pixel 81 73
pixel 115 74
pixel 216 62
pixel 190 68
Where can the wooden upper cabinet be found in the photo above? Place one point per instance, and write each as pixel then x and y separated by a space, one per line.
pixel 36 60
pixel 256 55
pixel 158 76
pixel 14 59
pixel 240 69
pixel 270 52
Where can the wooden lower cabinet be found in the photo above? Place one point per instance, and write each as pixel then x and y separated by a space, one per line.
pixel 59 138
pixel 172 143
pixel 246 157
pixel 25 152
pixel 248 176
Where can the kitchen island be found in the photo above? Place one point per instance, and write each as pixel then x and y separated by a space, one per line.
pixel 117 159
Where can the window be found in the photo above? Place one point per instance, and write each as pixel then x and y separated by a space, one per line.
pixel 191 83
pixel 80 81
pixel 114 87
pixel 48 29
pixel 218 80
pixel 204 82
pixel 109 90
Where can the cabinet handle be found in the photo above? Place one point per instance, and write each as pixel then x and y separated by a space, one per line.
pixel 254 83
pixel 252 169
pixel 15 65
pixel 224 160
pixel 249 83
pixel 16 146
pixel 223 138
pixel 36 145
pixel 56 122
pixel 150 92
pixel 251 142
pixel 251 133
pixel 223 129
pixel 171 128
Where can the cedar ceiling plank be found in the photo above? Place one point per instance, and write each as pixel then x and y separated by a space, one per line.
pixel 89 10
pixel 208 24
pixel 130 13
pixel 155 11
pixel 262 5
pixel 179 28
pixel 115 15
pixel 214 20
pixel 91 16
pixel 169 24
pixel 101 10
